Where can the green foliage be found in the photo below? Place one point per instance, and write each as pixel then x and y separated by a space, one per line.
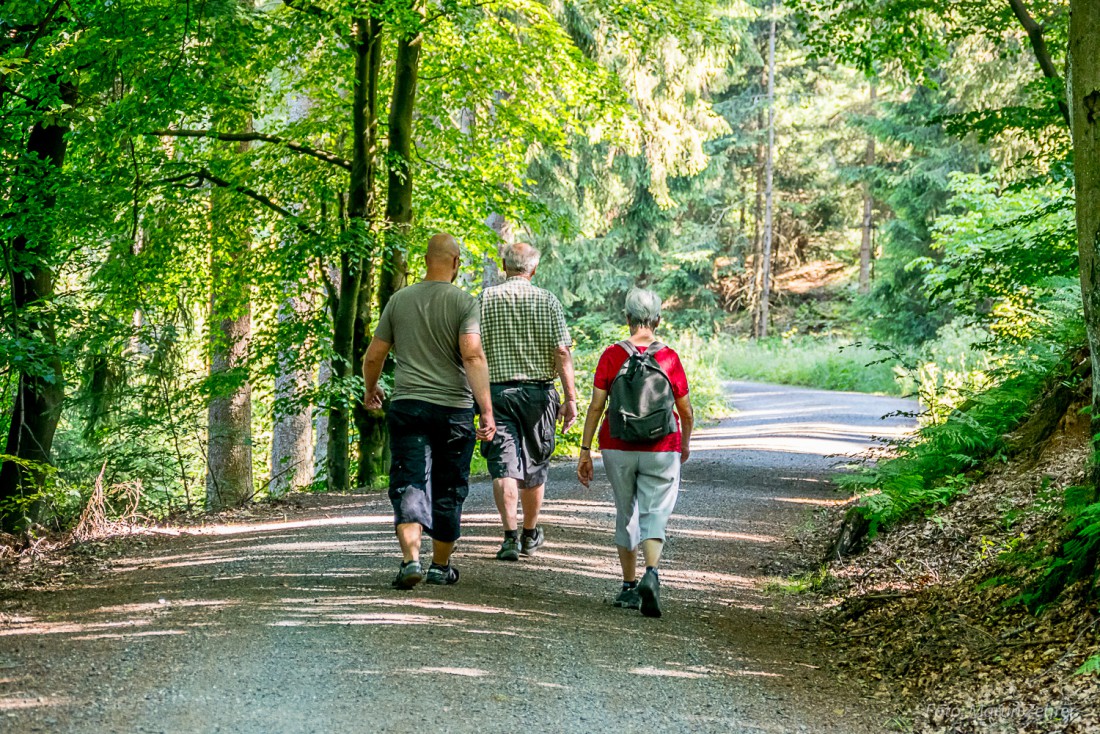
pixel 1076 558
pixel 52 501
pixel 826 363
pixel 1090 666
pixel 929 470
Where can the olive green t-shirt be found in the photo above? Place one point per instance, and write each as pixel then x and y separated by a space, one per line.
pixel 423 323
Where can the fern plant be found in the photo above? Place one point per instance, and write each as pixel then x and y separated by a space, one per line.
pixel 1091 666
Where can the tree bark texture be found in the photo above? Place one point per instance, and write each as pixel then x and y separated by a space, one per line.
pixel 866 243
pixel 229 422
pixel 292 432
pixel 39 394
pixel 757 239
pixel 1084 76
pixel 291 435
pixel 354 260
pixel 769 185
pixel 373 436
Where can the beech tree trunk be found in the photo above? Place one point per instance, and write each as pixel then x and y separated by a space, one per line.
pixel 757 229
pixel 39 394
pixel 292 432
pixel 865 253
pixel 1084 87
pixel 229 423
pixel 373 436
pixel 769 193
pixel 356 256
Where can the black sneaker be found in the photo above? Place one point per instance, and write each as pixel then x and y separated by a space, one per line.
pixel 628 598
pixel 649 589
pixel 531 543
pixel 409 575
pixel 509 550
pixel 442 575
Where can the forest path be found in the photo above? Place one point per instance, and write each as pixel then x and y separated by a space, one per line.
pixel 292 627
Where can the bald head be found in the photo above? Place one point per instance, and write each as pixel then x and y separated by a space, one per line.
pixel 443 257
pixel 442 248
pixel 521 259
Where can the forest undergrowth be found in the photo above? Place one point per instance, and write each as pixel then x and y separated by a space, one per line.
pixel 974 607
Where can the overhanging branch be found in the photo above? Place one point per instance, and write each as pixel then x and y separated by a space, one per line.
pixel 1042 53
pixel 261 137
pixel 204 175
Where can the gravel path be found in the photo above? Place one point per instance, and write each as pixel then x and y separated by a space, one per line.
pixel 292 627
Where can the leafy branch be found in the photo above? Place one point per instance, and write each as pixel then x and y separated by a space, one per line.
pixel 204 175
pixel 258 137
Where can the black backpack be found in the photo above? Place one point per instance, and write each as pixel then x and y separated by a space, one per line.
pixel 641 404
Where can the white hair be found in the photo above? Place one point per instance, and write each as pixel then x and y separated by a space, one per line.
pixel 522 260
pixel 643 308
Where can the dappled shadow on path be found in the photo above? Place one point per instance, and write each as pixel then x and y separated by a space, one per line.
pixel 304 608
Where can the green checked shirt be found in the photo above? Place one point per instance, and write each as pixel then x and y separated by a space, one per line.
pixel 522 326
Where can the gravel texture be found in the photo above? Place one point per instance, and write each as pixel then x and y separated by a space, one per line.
pixel 292 627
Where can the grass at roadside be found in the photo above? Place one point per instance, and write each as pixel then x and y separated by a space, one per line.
pixel 827 363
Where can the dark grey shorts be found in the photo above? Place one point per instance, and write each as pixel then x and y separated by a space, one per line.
pixel 525 415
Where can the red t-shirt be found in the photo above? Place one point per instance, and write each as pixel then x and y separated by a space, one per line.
pixel 611 361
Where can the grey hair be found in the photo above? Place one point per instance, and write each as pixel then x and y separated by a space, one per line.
pixel 643 308
pixel 522 260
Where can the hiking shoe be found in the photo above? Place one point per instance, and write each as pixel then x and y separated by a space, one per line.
pixel 509 550
pixel 649 589
pixel 409 575
pixel 442 575
pixel 531 543
pixel 628 599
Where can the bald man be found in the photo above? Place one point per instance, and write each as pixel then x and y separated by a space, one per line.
pixel 528 345
pixel 433 329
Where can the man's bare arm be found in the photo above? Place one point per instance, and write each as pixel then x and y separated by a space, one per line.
pixel 477 374
pixel 563 358
pixel 373 361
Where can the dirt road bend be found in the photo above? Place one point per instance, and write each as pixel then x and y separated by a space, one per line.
pixel 293 627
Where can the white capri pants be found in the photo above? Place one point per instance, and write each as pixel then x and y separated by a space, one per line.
pixel 645 485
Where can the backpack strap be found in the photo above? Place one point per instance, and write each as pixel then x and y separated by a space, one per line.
pixel 655 347
pixel 629 347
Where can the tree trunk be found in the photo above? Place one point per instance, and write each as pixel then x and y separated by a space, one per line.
pixel 356 257
pixel 373 436
pixel 1084 76
pixel 229 428
pixel 865 253
pixel 39 393
pixel 757 239
pixel 291 434
pixel 769 181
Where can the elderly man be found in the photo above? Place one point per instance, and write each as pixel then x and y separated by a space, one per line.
pixel 528 344
pixel 433 330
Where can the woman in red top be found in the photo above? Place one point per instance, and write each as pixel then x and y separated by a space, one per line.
pixel 644 477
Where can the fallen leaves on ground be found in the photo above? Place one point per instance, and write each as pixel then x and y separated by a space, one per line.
pixel 926 613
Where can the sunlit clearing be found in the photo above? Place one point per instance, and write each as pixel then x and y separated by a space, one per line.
pixel 50 628
pixel 723 535
pixel 464 672
pixel 128 635
pixel 395 619
pixel 7 704
pixel 810 501
pixel 665 673
pixel 288 525
pixel 705 580
pixel 161 605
